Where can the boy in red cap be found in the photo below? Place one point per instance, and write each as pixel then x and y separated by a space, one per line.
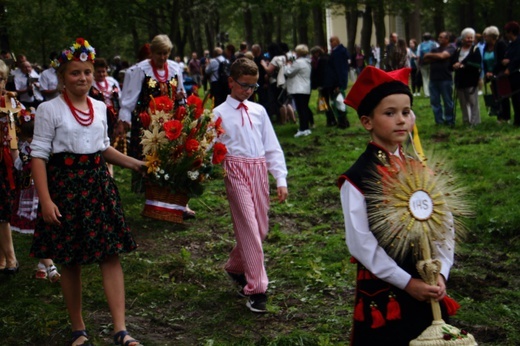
pixel 391 299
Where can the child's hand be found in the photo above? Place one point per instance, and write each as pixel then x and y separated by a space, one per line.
pixel 421 291
pixel 282 193
pixel 14 154
pixel 51 214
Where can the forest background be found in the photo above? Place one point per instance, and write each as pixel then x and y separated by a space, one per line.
pixel 35 28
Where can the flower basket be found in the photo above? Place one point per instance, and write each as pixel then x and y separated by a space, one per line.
pixel 180 147
pixel 162 204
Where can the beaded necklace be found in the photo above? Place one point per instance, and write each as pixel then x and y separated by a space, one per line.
pixel 160 79
pixel 84 118
pixel 103 85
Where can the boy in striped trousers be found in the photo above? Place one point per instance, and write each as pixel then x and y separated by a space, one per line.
pixel 253 150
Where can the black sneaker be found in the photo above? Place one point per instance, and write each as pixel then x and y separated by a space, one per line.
pixel 257 302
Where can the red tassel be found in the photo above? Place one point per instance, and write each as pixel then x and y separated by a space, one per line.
pixel 377 317
pixel 353 260
pixel 451 305
pixel 360 275
pixel 359 315
pixel 393 309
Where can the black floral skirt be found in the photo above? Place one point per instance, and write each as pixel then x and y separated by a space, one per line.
pixel 93 226
pixel 7 192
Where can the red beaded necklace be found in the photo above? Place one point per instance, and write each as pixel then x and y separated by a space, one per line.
pixel 102 88
pixel 84 118
pixel 160 79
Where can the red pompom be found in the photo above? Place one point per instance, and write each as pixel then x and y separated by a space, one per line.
pixel 377 317
pixel 359 315
pixel 393 309
pixel 451 305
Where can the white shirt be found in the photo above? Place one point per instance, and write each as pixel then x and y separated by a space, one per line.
pixel 133 82
pixel 363 245
pixel 251 136
pixel 56 130
pixel 278 61
pixel 49 81
pixel 20 83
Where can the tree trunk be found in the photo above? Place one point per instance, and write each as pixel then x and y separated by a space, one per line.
pixel 366 30
pixel 175 28
pixel 438 17
pixel 189 28
pixel 294 31
pixel 379 23
pixel 319 33
pixel 303 24
pixel 278 29
pixel 414 21
pixel 4 37
pixel 351 16
pixel 196 35
pixel 266 31
pixel 248 25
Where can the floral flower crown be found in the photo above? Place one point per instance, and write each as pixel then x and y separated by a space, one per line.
pixel 80 50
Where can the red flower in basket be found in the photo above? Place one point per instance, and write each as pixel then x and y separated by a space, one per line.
pixel 191 146
pixel 197 102
pixel 161 103
pixel 180 113
pixel 218 127
pixel 145 119
pixel 173 129
pixel 219 152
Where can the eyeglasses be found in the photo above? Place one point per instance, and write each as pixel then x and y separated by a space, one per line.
pixel 246 86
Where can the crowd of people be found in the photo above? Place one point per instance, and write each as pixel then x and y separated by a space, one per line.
pixel 455 68
pixel 99 102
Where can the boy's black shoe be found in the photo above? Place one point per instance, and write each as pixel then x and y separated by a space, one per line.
pixel 257 302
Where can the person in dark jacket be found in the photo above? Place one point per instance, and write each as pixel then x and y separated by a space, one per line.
pixel 512 63
pixel 441 80
pixel 335 83
pixel 466 62
pixel 319 61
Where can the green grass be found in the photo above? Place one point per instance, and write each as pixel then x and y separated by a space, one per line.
pixel 178 294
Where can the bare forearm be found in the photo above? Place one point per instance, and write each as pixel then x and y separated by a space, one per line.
pixel 39 174
pixel 113 156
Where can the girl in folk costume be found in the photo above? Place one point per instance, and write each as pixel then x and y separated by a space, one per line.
pixel 81 220
pixel 391 303
pixel 8 153
pixel 106 89
pixel 23 218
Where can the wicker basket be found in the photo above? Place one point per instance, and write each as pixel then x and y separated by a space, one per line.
pixel 163 205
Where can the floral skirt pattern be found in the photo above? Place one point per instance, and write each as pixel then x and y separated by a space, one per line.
pixel 7 194
pixel 93 226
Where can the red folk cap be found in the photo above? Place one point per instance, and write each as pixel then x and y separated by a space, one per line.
pixel 373 85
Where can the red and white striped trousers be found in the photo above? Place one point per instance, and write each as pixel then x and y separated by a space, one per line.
pixel 247 186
